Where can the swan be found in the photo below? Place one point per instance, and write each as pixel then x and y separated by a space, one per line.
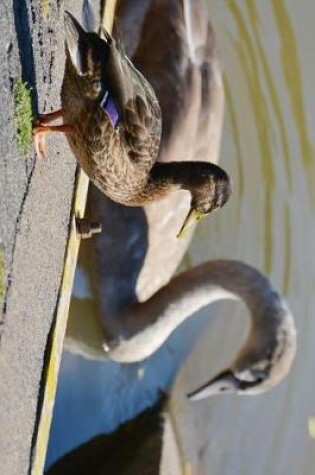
pixel 266 356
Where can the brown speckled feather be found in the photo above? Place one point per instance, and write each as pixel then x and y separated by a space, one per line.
pixel 119 159
pixel 115 120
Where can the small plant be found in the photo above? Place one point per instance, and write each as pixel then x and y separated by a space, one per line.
pixel 23 116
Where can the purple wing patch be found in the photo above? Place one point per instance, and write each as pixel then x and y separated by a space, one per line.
pixel 109 106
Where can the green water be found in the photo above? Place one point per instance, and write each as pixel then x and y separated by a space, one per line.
pixel 267 49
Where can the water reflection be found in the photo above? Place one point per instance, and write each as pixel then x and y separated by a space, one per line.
pixel 270 110
pixel 267 50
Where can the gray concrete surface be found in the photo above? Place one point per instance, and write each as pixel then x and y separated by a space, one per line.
pixel 35 206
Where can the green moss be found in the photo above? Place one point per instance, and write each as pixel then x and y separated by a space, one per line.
pixel 23 116
pixel 2 278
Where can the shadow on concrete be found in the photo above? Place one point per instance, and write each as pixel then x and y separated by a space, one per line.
pixel 24 40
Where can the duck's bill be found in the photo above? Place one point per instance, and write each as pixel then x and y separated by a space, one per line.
pixel 192 218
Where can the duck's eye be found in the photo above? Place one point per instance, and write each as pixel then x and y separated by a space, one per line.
pixel 96 87
pixel 214 206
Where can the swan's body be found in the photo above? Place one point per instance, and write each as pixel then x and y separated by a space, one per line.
pixel 140 243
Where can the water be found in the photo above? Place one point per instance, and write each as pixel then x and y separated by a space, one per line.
pixel 267 52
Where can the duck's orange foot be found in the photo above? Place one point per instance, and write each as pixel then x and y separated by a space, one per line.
pixel 39 141
pixel 39 131
pixel 44 119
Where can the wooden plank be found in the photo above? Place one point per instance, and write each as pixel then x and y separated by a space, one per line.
pixel 58 332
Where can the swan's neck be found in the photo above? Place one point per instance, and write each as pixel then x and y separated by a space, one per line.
pixel 146 326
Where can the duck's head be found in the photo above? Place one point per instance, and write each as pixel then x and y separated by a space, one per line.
pixel 210 187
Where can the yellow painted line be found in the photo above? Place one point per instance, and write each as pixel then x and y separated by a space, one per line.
pixel 59 329
pixel 58 332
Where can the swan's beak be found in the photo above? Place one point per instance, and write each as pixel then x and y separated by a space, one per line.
pixel 223 383
pixel 192 218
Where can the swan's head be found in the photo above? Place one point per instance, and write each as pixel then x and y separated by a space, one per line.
pixel 210 187
pixel 261 364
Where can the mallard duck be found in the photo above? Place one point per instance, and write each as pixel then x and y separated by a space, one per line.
pixel 112 119
pixel 135 257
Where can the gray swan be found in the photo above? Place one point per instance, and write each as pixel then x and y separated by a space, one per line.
pixel 266 356
pixel 132 262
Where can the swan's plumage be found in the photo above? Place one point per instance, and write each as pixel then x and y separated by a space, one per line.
pixel 266 356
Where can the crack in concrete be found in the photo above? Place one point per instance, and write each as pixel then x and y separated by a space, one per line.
pixel 24 42
pixel 15 235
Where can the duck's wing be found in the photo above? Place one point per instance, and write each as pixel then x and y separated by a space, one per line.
pixel 136 101
pixel 128 98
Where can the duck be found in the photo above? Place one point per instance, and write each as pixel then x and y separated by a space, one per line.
pixel 113 123
pixel 131 265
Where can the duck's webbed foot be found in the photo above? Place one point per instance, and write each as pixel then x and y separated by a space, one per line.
pixel 44 119
pixel 39 142
pixel 40 128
